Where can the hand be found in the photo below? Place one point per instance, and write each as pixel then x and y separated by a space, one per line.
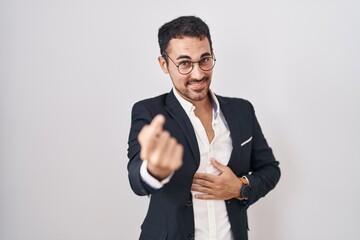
pixel 162 151
pixel 217 187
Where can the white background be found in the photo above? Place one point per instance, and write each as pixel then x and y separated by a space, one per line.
pixel 70 72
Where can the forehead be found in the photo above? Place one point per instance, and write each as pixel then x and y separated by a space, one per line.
pixel 190 46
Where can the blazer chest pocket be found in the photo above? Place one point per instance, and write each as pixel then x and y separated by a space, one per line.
pixel 245 151
pixel 246 142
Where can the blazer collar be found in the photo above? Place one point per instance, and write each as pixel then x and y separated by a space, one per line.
pixel 231 120
pixel 236 126
pixel 177 112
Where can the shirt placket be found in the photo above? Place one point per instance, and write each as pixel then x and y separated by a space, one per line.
pixel 211 203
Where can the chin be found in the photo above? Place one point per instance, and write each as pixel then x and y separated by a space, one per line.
pixel 198 96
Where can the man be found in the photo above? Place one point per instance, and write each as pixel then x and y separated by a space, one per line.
pixel 201 157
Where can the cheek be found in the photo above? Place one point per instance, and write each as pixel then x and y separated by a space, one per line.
pixel 179 80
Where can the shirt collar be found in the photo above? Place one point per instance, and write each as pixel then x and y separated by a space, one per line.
pixel 189 107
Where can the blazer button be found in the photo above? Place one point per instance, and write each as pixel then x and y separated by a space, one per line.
pixel 189 203
pixel 192 236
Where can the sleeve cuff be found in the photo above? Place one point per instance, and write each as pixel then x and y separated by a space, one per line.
pixel 150 180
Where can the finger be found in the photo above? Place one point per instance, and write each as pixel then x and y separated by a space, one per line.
pixel 158 155
pixel 156 125
pixel 202 182
pixel 202 189
pixel 174 154
pixel 218 165
pixel 168 152
pixel 205 196
pixel 148 135
pixel 205 176
pixel 150 131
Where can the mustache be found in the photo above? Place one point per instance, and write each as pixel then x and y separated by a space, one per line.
pixel 197 80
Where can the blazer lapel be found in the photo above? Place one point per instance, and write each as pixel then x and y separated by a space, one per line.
pixel 177 112
pixel 234 128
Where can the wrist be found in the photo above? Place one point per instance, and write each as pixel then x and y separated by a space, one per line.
pixel 157 172
pixel 245 189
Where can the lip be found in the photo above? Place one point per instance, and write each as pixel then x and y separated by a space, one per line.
pixel 197 85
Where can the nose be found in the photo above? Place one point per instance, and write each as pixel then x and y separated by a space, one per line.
pixel 197 73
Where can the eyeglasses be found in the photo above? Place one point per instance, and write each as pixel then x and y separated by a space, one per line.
pixel 186 66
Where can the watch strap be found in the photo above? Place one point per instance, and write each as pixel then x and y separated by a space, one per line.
pixel 245 181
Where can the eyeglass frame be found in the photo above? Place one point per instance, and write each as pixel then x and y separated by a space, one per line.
pixel 192 63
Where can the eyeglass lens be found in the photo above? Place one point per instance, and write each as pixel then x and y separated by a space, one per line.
pixel 205 64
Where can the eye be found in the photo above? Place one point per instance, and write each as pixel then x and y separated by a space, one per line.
pixel 205 60
pixel 185 64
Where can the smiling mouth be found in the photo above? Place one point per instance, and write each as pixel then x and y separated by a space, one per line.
pixel 197 85
pixel 197 82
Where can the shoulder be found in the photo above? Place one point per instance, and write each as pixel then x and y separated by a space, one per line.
pixel 150 106
pixel 234 102
pixel 151 103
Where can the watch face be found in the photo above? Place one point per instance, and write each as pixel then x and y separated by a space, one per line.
pixel 245 191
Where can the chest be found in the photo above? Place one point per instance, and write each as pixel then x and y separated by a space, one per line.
pixel 214 141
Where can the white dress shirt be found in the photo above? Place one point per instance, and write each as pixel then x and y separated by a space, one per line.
pixel 210 216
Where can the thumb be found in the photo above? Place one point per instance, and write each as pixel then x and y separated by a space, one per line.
pixel 218 165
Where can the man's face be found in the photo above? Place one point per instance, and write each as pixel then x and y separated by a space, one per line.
pixel 194 86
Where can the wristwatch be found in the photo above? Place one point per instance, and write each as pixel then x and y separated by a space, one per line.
pixel 245 189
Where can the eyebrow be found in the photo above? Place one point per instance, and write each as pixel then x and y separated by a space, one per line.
pixel 188 57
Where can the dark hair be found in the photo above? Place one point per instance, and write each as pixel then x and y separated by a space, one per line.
pixel 186 26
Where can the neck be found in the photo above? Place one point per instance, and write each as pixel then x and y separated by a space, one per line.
pixel 204 103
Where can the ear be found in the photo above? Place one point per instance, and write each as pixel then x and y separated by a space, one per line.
pixel 163 64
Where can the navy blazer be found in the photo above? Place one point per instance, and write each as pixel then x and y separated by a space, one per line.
pixel 170 214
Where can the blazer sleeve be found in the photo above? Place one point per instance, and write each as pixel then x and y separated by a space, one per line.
pixel 265 171
pixel 140 117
